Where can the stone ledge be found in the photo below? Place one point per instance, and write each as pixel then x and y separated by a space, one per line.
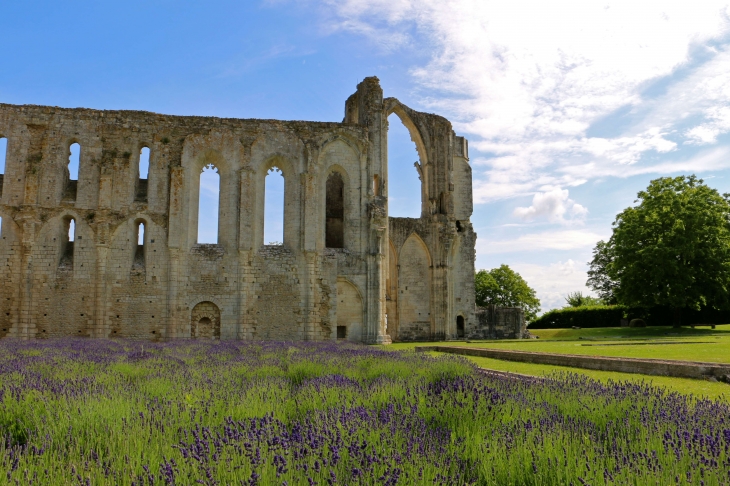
pixel 680 369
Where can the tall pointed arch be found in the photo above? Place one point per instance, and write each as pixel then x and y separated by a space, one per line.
pixel 407 177
pixel 274 192
pixel 208 204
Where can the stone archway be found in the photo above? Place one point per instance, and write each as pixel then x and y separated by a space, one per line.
pixel 205 321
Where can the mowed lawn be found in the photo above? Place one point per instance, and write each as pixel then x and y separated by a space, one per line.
pixel 687 344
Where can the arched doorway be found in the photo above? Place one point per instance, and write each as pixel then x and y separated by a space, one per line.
pixel 205 321
pixel 460 326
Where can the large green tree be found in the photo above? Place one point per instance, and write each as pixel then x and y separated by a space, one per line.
pixel 672 249
pixel 504 287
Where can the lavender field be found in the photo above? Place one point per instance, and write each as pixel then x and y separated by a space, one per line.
pixel 118 412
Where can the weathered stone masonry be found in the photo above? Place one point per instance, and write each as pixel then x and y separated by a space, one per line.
pixel 386 278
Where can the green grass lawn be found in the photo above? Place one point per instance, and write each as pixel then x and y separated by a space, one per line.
pixel 684 344
pixel 701 344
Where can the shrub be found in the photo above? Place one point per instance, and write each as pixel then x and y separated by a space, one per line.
pixel 597 316
pixel 611 316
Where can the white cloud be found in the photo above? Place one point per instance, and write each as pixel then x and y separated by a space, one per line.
pixel 553 282
pixel 526 79
pixel 718 122
pixel 544 240
pixel 554 205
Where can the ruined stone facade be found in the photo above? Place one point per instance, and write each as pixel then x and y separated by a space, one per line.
pixel 493 322
pixel 345 269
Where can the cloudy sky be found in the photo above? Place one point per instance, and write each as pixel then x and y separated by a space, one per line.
pixel 570 108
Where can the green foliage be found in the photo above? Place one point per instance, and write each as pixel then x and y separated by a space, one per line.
pixel 611 315
pixel 505 288
pixel 577 299
pixel 596 316
pixel 672 249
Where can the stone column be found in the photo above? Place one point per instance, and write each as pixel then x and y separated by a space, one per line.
pixel 102 297
pixel 176 242
pixel 26 325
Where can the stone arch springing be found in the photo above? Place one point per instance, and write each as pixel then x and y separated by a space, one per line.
pixel 407 183
pixel 205 321
pixel 335 211
pixel 143 168
pixel 208 204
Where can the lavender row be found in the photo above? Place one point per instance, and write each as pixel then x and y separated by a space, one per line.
pixel 124 412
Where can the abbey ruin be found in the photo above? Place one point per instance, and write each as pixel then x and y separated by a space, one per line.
pixel 111 254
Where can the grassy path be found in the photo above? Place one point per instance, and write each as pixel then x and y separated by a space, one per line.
pixel 686 344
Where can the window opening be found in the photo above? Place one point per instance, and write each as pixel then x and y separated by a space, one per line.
pixel 67 255
pixel 460 326
pixel 335 212
pixel 208 205
pixel 3 153
pixel 3 156
pixel 404 184
pixel 73 162
pixel 274 207
pixel 376 185
pixel 139 248
pixel 144 167
pixel 144 162
pixel 71 189
pixel 341 332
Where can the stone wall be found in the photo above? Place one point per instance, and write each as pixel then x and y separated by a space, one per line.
pixel 493 322
pixel 414 276
pixel 682 369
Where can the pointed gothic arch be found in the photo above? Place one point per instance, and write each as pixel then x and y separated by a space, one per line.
pixel 407 196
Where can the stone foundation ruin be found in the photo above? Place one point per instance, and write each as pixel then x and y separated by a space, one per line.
pixel 112 254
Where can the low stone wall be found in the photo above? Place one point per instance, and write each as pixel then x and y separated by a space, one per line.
pixel 681 369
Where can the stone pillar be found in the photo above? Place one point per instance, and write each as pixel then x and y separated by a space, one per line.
pixel 247 208
pixel 26 324
pixel 366 106
pixel 102 297
pixel 176 242
pixel 105 191
pixel 381 336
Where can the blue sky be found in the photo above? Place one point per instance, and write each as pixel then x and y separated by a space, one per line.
pixel 571 108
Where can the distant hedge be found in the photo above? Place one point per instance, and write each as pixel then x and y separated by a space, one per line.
pixel 611 315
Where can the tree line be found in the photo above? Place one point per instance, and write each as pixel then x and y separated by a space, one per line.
pixel 670 249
